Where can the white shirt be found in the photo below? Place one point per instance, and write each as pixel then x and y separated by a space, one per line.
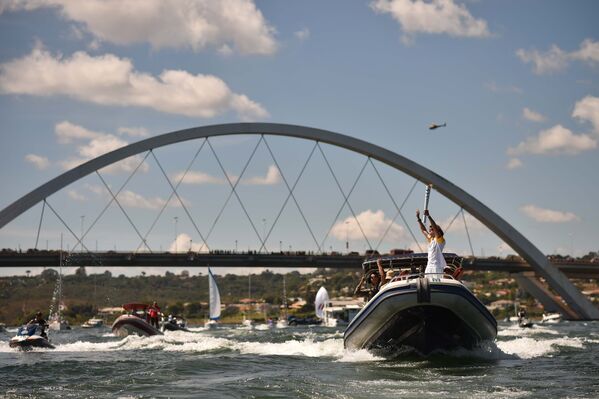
pixel 436 262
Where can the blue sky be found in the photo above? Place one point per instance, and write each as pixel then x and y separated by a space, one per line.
pixel 515 82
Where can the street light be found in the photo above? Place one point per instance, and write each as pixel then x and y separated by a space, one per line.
pixel 347 236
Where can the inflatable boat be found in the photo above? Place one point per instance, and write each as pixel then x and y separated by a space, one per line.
pixel 134 323
pixel 418 311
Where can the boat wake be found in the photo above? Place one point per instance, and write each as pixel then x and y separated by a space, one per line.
pixel 529 344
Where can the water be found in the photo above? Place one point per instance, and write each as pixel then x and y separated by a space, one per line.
pixel 559 360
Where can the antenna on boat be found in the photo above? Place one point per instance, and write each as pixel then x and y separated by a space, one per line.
pixel 427 196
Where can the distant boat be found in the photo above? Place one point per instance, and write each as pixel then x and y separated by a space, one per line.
pixel 94 322
pixel 331 314
pixel 214 297
pixel 56 322
pixel 283 322
pixel 551 318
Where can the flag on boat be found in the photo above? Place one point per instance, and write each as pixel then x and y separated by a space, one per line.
pixel 214 297
pixel 322 298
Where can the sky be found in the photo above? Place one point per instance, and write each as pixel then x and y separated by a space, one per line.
pixel 516 83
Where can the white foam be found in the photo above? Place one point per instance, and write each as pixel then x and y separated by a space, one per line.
pixel 516 331
pixel 528 348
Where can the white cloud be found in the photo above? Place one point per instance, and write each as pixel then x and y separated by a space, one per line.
pixel 194 24
pixel 532 116
pixel 514 163
pixel 133 131
pixel 587 109
pixel 38 161
pixel 556 140
pixel 66 132
pixel 302 34
pixel 98 144
pixel 132 199
pixel 556 59
pixel 272 177
pixel 374 225
pixel 74 195
pixel 110 80
pixel 182 244
pixel 434 17
pixel 589 52
pixel 197 177
pixel 548 215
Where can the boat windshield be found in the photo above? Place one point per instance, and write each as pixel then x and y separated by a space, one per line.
pixel 408 266
pixel 29 330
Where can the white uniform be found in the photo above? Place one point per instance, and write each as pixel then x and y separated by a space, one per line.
pixel 436 262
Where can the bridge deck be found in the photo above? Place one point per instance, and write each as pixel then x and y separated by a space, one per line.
pixel 124 259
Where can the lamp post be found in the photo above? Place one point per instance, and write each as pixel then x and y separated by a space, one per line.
pixel 347 236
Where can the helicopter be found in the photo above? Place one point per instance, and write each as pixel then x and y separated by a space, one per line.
pixel 434 126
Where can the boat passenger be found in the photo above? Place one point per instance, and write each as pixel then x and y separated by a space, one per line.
pixel 436 242
pixel 374 279
pixel 153 312
pixel 385 276
pixel 39 320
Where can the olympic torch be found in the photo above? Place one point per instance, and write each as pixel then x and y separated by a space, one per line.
pixel 427 196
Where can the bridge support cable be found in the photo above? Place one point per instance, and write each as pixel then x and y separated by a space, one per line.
pixel 122 209
pixel 247 163
pixel 398 208
pixel 446 229
pixel 290 195
pixel 170 196
pixel 180 200
pixel 233 188
pixel 91 226
pixel 467 233
pixel 68 228
pixel 346 198
pixel 39 227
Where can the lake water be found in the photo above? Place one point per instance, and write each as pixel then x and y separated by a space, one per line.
pixel 560 360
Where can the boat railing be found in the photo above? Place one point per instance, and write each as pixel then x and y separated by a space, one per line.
pixel 412 276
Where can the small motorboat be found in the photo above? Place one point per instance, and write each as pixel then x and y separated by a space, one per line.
pixel 134 323
pixel 94 322
pixel 30 336
pixel 418 311
pixel 551 318
pixel 174 323
pixel 334 313
pixel 57 323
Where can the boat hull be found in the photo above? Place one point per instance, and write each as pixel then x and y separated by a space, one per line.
pixel 422 314
pixel 132 325
pixel 28 343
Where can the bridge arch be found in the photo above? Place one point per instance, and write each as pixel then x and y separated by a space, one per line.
pixel 555 278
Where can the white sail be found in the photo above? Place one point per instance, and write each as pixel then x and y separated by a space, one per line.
pixel 214 297
pixel 322 298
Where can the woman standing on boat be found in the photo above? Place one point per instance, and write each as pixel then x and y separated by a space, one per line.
pixel 436 242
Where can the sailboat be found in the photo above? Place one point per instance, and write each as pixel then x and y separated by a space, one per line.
pixel 282 322
pixel 56 321
pixel 248 322
pixel 214 301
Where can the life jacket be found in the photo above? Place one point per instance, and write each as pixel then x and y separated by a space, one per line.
pixel 153 312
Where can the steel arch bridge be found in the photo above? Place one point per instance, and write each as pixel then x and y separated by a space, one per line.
pixel 580 305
